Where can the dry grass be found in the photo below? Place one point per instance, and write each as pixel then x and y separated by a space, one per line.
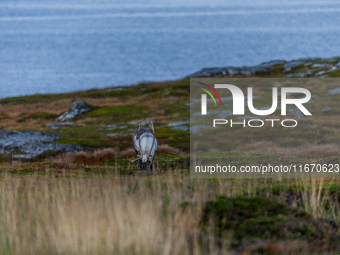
pixel 94 158
pixel 128 153
pixel 167 149
pixel 307 151
pixel 68 157
pixel 311 151
pixel 90 217
pixel 262 145
pixel 119 215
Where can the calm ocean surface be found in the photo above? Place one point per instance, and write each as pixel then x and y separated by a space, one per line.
pixel 59 46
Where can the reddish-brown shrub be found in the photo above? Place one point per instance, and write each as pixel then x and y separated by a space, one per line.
pixel 93 158
pixel 81 157
pixel 103 155
pixel 167 149
pixel 128 153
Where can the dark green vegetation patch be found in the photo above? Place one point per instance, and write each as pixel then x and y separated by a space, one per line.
pixel 260 218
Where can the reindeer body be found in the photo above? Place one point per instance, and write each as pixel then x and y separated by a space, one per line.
pixel 145 144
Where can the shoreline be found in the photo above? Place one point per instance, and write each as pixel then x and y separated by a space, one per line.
pixel 296 68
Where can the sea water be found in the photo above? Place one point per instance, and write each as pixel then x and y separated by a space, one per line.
pixel 60 46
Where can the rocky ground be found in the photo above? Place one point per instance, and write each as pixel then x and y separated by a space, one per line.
pixel 304 67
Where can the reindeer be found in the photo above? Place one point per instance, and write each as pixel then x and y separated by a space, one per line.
pixel 145 144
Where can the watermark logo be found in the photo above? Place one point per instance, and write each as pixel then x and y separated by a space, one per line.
pixel 239 102
pixel 204 97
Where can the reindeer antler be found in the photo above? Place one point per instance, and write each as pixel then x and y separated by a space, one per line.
pixel 141 153
pixel 140 150
pixel 133 160
pixel 154 136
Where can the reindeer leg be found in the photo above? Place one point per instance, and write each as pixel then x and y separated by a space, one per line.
pixel 139 168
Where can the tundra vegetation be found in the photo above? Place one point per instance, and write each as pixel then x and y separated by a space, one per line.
pixel 95 202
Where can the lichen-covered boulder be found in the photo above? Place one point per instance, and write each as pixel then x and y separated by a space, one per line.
pixel 78 107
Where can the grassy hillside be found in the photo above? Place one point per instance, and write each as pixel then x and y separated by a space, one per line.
pixel 96 202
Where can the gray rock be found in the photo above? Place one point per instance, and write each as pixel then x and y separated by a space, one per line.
pixel 321 66
pixel 78 107
pixel 332 59
pixel 335 67
pixel 268 66
pixel 334 91
pixel 231 71
pixel 178 124
pixel 115 134
pixel 111 127
pixel 137 123
pixel 58 125
pixel 290 65
pixel 309 72
pixel 321 77
pixel 296 113
pixel 32 144
pixel 327 110
pixel 115 88
pixel 183 128
pixel 197 129
pixel 305 59
pixel 320 73
pixel 273 62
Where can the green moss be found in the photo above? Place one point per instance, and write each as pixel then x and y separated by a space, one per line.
pixel 177 110
pixel 3 116
pixel 171 162
pixel 231 212
pixel 144 90
pixel 40 115
pixel 279 227
pixel 177 138
pixel 260 218
pixel 37 98
pixel 87 136
pixel 290 142
pixel 334 74
pixel 119 112
pixel 93 135
pixel 277 189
